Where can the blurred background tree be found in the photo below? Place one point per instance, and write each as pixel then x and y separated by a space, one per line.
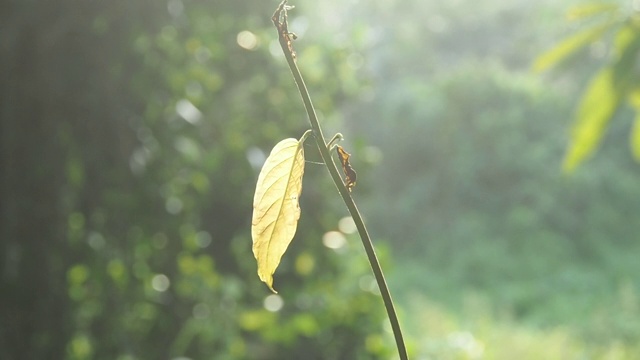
pixel 132 134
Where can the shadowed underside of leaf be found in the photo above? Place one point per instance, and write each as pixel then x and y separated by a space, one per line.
pixel 275 206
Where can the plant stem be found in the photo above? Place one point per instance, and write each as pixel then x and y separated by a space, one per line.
pixel 280 21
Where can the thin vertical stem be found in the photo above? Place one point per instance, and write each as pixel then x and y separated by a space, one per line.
pixel 285 37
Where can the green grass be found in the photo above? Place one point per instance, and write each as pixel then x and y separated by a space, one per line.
pixel 482 330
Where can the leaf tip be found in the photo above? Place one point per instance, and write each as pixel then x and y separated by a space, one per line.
pixel 568 166
pixel 269 282
pixel 575 155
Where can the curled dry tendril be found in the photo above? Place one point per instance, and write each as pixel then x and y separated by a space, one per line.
pixel 279 19
pixel 349 174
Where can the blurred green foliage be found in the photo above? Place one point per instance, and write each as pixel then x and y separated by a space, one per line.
pixel 469 187
pixel 610 88
pixel 132 133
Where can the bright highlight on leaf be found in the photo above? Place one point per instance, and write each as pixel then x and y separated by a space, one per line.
pixel 598 104
pixel 275 205
pixel 635 138
pixel 583 11
pixel 570 46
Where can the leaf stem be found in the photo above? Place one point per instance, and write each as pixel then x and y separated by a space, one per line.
pixel 285 37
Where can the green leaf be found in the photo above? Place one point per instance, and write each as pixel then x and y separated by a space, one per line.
pixel 275 205
pixel 587 10
pixel 570 45
pixel 597 106
pixel 626 48
pixel 635 137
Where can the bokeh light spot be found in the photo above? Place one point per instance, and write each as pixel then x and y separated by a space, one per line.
pixel 467 343
pixel 173 205
pixel 256 157
pixel 247 40
pixel 346 225
pixel 202 54
pixel 188 111
pixel 201 311
pixel 203 239
pixel 305 264
pixel 175 7
pixel 273 303
pixel 160 240
pixel 160 283
pixel 333 240
pixel 96 240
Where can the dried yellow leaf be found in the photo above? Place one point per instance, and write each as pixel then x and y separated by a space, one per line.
pixel 275 206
